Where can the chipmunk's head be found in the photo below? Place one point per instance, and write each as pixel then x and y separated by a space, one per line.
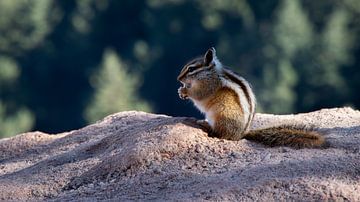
pixel 202 68
pixel 201 76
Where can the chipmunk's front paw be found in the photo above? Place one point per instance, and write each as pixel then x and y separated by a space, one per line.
pixel 183 93
pixel 204 125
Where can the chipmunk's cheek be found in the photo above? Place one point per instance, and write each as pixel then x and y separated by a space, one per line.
pixel 186 84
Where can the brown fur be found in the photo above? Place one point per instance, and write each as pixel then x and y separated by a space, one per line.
pixel 203 85
pixel 293 136
pixel 198 62
pixel 242 86
pixel 227 114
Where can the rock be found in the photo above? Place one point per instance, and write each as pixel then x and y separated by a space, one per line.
pixel 142 156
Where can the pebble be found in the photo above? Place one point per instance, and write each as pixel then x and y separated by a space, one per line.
pixel 267 157
pixel 198 148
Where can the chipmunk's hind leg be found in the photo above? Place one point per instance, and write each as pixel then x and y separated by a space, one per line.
pixel 230 129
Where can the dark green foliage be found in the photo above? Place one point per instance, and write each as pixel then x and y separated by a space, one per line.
pixel 299 56
pixel 115 89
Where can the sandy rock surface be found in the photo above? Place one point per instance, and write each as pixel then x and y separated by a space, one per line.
pixel 141 156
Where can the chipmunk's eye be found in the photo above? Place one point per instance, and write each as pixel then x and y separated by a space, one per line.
pixel 191 69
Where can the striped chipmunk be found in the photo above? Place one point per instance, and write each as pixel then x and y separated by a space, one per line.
pixel 228 103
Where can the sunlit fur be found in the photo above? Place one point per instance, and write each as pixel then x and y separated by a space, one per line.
pixel 228 103
pixel 288 135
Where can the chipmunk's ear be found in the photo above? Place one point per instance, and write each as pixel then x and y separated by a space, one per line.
pixel 210 56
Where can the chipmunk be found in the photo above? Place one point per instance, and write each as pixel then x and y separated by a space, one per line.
pixel 228 103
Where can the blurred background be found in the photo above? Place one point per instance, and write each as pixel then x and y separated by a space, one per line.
pixel 65 64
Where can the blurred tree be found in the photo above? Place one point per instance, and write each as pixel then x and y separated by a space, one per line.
pixel 24 24
pixel 13 118
pixel 299 55
pixel 320 65
pixel 20 121
pixel 292 32
pixel 115 89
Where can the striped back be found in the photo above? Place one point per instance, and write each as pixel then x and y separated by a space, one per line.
pixel 246 91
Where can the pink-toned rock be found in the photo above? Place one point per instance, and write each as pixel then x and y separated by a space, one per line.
pixel 141 156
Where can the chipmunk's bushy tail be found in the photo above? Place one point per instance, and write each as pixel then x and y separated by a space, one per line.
pixel 292 136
